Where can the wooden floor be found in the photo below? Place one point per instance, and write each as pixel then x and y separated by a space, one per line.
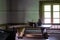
pixel 51 37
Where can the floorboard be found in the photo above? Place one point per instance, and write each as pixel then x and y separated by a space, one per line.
pixel 51 37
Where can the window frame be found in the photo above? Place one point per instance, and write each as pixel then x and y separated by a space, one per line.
pixel 41 8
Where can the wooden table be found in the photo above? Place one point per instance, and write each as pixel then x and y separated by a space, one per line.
pixel 21 29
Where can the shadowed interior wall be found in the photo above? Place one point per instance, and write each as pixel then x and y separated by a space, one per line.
pixel 3 12
pixel 21 11
pixel 14 15
pixel 29 10
pixel 12 11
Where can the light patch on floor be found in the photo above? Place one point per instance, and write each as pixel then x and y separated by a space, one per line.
pixel 28 38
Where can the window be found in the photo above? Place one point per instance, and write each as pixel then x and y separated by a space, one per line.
pixel 51 13
pixel 47 13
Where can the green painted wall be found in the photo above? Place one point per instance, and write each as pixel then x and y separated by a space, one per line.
pixel 32 11
pixel 28 10
pixel 3 13
pixel 3 5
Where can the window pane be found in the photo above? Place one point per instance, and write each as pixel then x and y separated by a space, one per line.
pixel 47 20
pixel 55 20
pixel 47 7
pixel 55 14
pixel 55 7
pixel 47 14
